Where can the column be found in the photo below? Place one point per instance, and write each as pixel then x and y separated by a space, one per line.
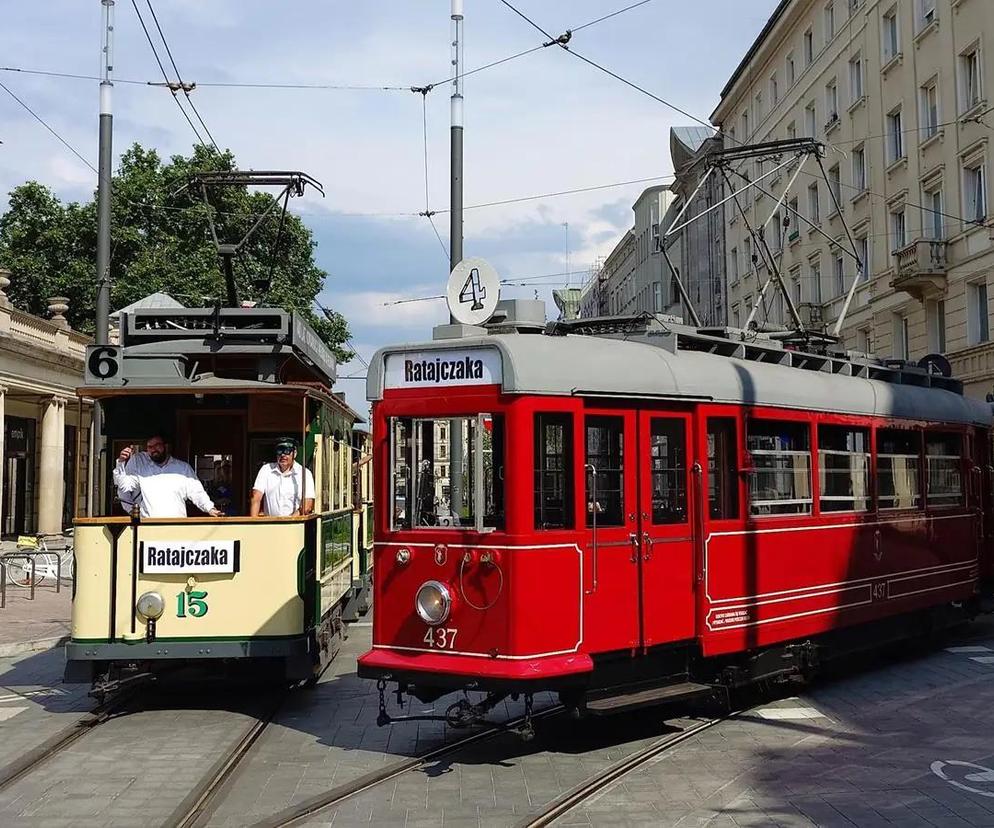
pixel 51 485
pixel 3 430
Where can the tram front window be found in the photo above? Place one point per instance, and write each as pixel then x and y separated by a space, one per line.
pixel 448 473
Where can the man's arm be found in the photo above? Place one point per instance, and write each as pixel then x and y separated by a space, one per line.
pixel 255 506
pixel 198 496
pixel 258 488
pixel 307 501
pixel 128 485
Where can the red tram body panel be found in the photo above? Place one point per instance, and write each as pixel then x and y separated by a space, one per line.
pixel 580 512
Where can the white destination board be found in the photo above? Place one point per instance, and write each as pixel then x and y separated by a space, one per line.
pixel 443 368
pixel 184 557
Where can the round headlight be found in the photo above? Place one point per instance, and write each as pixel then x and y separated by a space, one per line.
pixel 433 602
pixel 150 605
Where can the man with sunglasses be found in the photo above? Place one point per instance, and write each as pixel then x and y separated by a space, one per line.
pixel 283 488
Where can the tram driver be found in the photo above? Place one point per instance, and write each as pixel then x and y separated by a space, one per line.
pixel 159 483
pixel 283 488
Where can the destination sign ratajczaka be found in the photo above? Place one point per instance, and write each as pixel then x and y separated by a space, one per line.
pixel 189 557
pixel 433 368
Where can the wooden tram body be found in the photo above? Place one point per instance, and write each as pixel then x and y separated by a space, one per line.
pixel 665 508
pixel 226 384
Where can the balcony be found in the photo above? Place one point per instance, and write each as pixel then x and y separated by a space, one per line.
pixel 921 269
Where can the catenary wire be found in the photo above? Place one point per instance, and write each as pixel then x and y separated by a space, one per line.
pixel 179 77
pixel 45 124
pixel 165 74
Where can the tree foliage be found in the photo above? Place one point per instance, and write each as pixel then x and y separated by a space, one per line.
pixel 161 241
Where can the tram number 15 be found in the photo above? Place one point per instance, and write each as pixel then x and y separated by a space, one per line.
pixel 439 638
pixel 193 602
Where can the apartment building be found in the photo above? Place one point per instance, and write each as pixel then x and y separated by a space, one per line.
pixel 634 276
pixel 898 91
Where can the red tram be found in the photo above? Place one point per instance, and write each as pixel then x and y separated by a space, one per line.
pixel 627 511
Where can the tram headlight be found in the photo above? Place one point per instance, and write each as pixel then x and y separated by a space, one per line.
pixel 433 602
pixel 150 606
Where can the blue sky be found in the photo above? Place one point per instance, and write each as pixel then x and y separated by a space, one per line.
pixel 543 123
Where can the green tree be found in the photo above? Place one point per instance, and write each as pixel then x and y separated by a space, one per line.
pixel 160 241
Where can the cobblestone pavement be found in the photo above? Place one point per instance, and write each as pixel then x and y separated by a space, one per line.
pixel 26 625
pixel 34 704
pixel 891 743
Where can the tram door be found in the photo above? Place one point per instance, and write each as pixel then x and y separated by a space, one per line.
pixel 665 531
pixel 610 506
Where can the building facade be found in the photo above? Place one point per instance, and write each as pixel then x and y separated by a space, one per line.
pixel 46 432
pixel 899 93
pixel 699 251
pixel 634 277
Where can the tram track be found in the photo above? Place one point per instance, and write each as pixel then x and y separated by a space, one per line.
pixel 33 759
pixel 295 814
pixel 599 782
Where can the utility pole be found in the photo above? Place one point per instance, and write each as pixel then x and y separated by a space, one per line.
pixel 456 462
pixel 104 166
pixel 104 175
pixel 566 245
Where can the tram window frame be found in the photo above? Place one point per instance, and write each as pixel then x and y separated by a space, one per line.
pixel 723 477
pixel 553 486
pixel 954 459
pixel 485 505
pixel 668 500
pixel 910 438
pixel 850 501
pixel 776 430
pixel 613 514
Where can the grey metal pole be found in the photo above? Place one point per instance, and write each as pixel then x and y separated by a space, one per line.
pixel 104 175
pixel 105 166
pixel 456 462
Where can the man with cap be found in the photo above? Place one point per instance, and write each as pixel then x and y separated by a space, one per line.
pixel 283 488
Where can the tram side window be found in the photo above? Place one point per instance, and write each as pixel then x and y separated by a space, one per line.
pixel 605 441
pixel 844 468
pixel 944 460
pixel 553 471
pixel 780 483
pixel 898 468
pixel 668 458
pixel 723 463
pixel 444 483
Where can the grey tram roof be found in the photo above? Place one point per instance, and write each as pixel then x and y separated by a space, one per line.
pixel 706 368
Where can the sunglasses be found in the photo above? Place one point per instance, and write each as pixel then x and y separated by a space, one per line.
pixel 285 450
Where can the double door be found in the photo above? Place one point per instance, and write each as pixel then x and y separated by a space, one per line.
pixel 641 499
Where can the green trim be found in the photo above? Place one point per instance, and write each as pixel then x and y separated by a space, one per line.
pixel 179 640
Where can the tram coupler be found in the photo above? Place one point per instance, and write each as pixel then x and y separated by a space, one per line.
pixel 464 713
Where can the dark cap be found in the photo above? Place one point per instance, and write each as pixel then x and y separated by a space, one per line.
pixel 286 444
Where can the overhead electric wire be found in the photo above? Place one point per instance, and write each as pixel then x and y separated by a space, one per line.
pixel 165 75
pixel 563 42
pixel 179 77
pixel 51 129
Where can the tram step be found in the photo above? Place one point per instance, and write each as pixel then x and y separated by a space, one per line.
pixel 642 698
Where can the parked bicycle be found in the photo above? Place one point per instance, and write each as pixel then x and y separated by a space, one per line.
pixel 46 559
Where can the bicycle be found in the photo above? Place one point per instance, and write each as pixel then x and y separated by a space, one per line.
pixel 46 560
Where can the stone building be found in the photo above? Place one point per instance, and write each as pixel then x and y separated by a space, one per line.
pixel 634 277
pixel 45 438
pixel 899 94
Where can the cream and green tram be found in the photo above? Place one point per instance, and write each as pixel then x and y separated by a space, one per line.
pixel 263 596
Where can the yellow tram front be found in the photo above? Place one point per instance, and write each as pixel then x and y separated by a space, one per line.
pixel 267 581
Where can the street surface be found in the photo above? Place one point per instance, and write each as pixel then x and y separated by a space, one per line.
pixel 902 741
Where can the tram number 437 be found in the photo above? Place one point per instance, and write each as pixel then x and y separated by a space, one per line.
pixel 440 638
pixel 193 603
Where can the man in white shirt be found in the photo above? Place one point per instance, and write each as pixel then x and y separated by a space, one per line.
pixel 283 488
pixel 158 482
